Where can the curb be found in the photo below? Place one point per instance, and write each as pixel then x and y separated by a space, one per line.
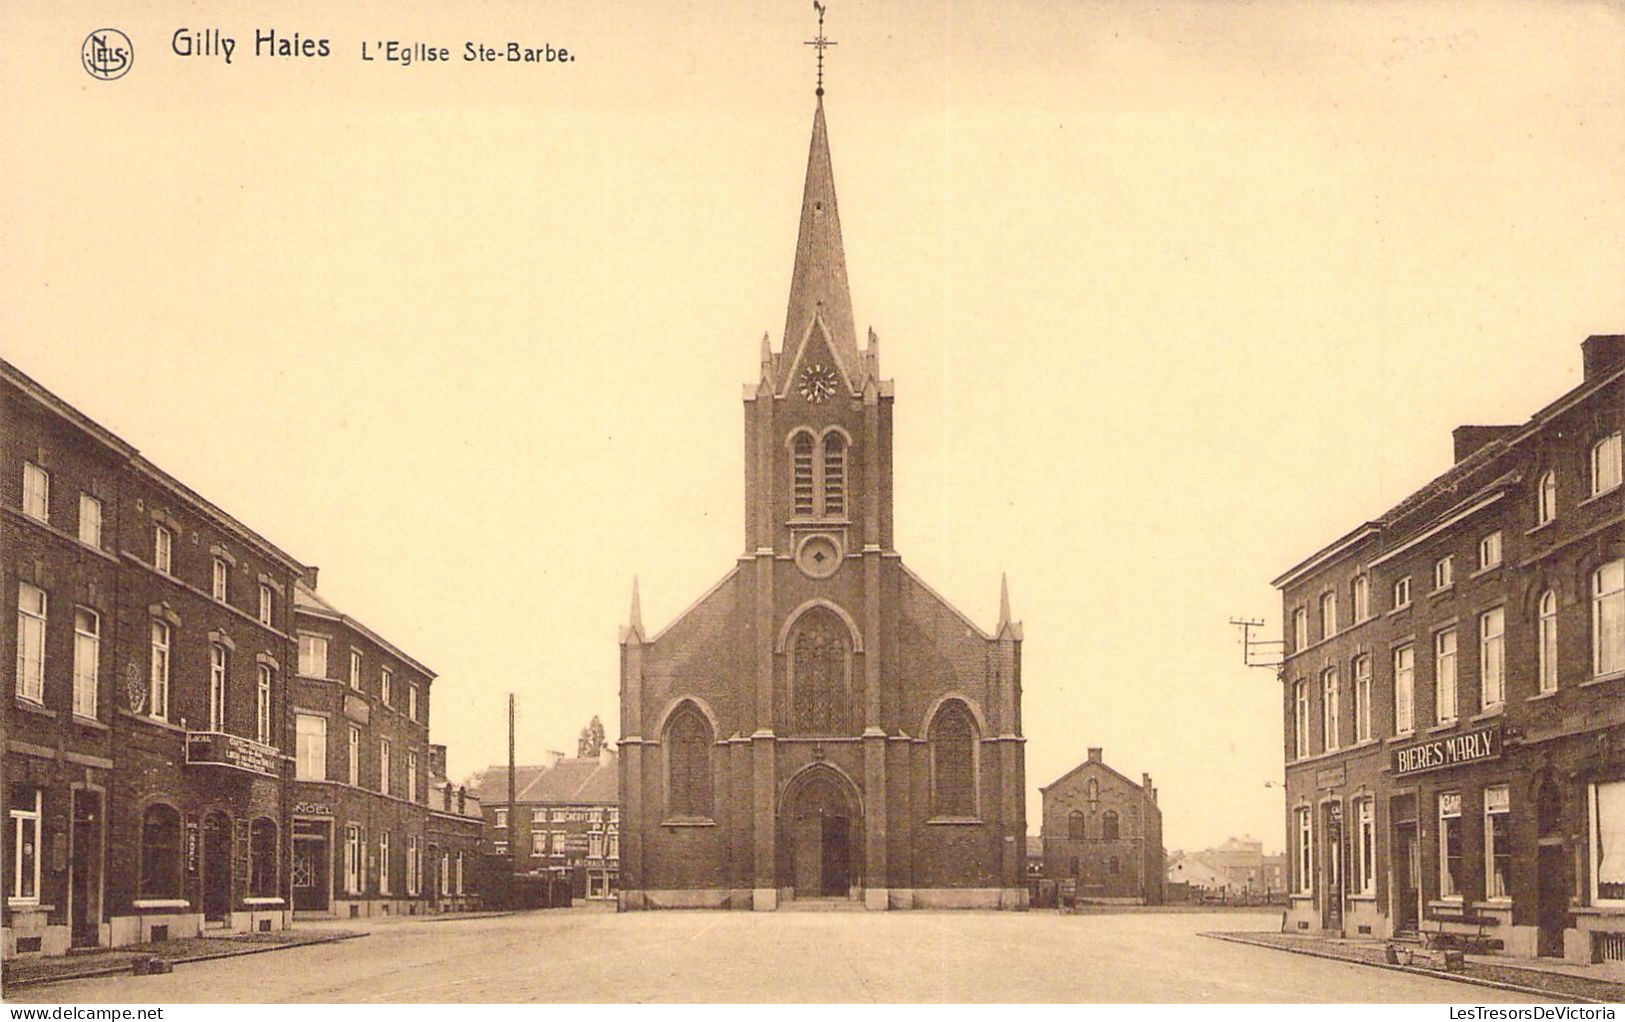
pixel 129 966
pixel 1434 973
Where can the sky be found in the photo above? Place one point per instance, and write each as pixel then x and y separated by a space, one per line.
pixel 1173 295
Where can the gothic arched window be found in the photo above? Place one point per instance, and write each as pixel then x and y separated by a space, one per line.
pixel 801 469
pixel 1074 826
pixel 1108 826
pixel 953 762
pixel 819 658
pixel 688 763
pixel 834 474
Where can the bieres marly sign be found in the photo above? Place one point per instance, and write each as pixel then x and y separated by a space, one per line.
pixel 1453 750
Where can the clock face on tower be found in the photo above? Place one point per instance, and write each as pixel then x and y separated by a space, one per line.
pixel 817 382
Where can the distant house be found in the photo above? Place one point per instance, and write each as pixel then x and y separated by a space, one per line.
pixel 569 820
pixel 1238 868
pixel 1102 834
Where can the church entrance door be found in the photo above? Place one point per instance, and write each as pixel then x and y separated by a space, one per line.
pixel 818 823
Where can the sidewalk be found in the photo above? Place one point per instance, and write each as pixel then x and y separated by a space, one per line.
pixel 1554 980
pixel 112 961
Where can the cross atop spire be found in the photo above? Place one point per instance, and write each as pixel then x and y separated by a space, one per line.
pixel 821 43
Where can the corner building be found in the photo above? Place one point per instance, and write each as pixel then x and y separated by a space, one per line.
pixel 1454 694
pixel 821 724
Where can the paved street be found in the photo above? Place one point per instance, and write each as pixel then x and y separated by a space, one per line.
pixel 595 955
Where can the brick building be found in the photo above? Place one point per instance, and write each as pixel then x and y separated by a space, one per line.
pixel 455 831
pixel 1452 692
pixel 568 820
pixel 1102 834
pixel 144 754
pixel 149 787
pixel 821 723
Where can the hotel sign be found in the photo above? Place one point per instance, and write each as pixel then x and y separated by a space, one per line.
pixel 1455 750
pixel 214 748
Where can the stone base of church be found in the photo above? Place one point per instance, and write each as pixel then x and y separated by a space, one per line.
pixel 875 899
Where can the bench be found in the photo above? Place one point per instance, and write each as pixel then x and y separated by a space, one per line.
pixel 1473 943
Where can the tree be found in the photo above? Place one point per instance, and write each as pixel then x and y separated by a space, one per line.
pixel 591 742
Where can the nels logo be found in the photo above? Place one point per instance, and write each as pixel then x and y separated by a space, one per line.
pixel 107 54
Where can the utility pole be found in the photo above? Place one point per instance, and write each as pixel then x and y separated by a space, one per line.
pixel 513 816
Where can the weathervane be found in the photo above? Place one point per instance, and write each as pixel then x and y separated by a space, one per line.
pixel 820 43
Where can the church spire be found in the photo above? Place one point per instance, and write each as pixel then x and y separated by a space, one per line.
pixel 633 632
pixel 818 285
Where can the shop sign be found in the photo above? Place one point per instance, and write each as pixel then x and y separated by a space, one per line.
pixel 1455 750
pixel 312 809
pixel 1330 777
pixel 214 748
pixel 356 708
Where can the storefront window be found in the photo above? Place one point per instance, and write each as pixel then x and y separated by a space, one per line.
pixel 1305 844
pixel 1365 862
pixel 160 852
pixel 1497 842
pixel 1608 843
pixel 262 859
pixel 22 845
pixel 1450 861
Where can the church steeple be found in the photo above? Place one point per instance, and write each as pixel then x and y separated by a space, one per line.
pixel 818 285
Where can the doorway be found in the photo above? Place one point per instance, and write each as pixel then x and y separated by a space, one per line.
pixel 1551 873
pixel 1332 909
pixel 818 823
pixel 1407 879
pixel 217 869
pixel 309 875
pixel 85 876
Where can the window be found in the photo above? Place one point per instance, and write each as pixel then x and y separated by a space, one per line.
pixel 220 577
pixel 310 747
pixel 411 776
pixel 355 670
pixel 1300 728
pixel 383 765
pixel 1546 500
pixel 1300 629
pixel 36 492
pixel 1605 464
pixel 158 677
pixel 1328 615
pixel 31 604
pixel 1404 690
pixel 160 852
pixel 262 859
pixel 384 863
pixel 501 820
pixel 87 655
pixel 459 873
pixel 1489 550
pixel 1444 572
pixel 386 678
pixel 163 549
pixel 1451 878
pixel 1075 825
pixel 1608 843
pixel 1330 696
pixel 1305 860
pixel 262 707
pixel 1365 847
pixel 834 474
pixel 414 866
pixel 23 846
pixel 1112 866
pixel 1362 598
pixel 1548 641
pixel 1444 676
pixel 1109 827
pixel 538 816
pixel 1608 618
pixel 1402 592
pixel 953 762
pixel 352 859
pixel 819 660
pixel 313 656
pixel 90 520
pixel 1497 842
pixel 556 843
pixel 595 846
pixel 1492 682
pixel 266 604
pixel 801 468
pixel 412 701
pixel 1362 698
pixel 217 687
pixel 355 757
pixel 688 738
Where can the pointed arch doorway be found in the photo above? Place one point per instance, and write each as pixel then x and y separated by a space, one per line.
pixel 820 835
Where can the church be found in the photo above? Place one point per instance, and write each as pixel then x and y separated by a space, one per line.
pixel 821 725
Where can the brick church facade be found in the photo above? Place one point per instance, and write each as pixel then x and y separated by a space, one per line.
pixel 821 724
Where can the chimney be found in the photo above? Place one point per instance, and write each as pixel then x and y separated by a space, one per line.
pixel 310 575
pixel 1602 354
pixel 462 798
pixel 445 797
pixel 437 762
pixel 1145 785
pixel 1469 439
pixel 551 758
pixel 1094 755
pixel 606 756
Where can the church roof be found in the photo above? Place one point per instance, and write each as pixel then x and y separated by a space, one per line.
pixel 818 284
